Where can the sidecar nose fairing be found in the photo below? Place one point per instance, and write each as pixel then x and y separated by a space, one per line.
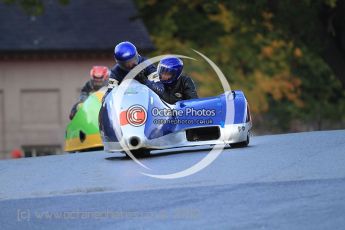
pixel 134 117
pixel 82 133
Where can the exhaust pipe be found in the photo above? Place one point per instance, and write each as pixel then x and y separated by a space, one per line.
pixel 134 142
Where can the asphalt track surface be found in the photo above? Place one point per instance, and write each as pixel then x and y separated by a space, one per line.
pixel 290 181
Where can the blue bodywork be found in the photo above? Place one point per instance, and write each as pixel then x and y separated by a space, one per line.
pixel 215 108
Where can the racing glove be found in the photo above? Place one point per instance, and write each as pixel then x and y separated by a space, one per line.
pixel 141 77
pixel 74 110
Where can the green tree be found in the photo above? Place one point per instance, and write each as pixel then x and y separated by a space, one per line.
pixel 33 7
pixel 269 49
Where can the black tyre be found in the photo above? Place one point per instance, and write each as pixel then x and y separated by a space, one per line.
pixel 139 153
pixel 241 144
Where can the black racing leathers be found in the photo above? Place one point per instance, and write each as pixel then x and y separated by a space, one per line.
pixel 119 74
pixel 87 89
pixel 183 89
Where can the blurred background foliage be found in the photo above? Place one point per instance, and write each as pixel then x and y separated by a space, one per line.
pixel 272 50
pixel 33 7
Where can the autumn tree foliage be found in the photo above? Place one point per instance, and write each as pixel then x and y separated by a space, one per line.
pixel 272 50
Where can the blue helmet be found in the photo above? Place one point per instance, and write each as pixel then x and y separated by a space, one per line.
pixel 169 70
pixel 126 55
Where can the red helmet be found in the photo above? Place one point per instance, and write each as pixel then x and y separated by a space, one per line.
pixel 99 73
pixel 16 153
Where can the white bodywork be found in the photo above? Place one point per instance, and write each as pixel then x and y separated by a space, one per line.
pixel 135 95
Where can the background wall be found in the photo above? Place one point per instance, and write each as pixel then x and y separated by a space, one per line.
pixel 35 100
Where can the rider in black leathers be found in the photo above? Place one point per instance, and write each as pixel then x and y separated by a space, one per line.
pixel 173 85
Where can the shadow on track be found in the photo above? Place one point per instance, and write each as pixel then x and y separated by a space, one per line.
pixel 162 153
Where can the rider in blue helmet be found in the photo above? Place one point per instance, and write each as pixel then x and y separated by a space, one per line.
pixel 127 57
pixel 169 70
pixel 172 86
